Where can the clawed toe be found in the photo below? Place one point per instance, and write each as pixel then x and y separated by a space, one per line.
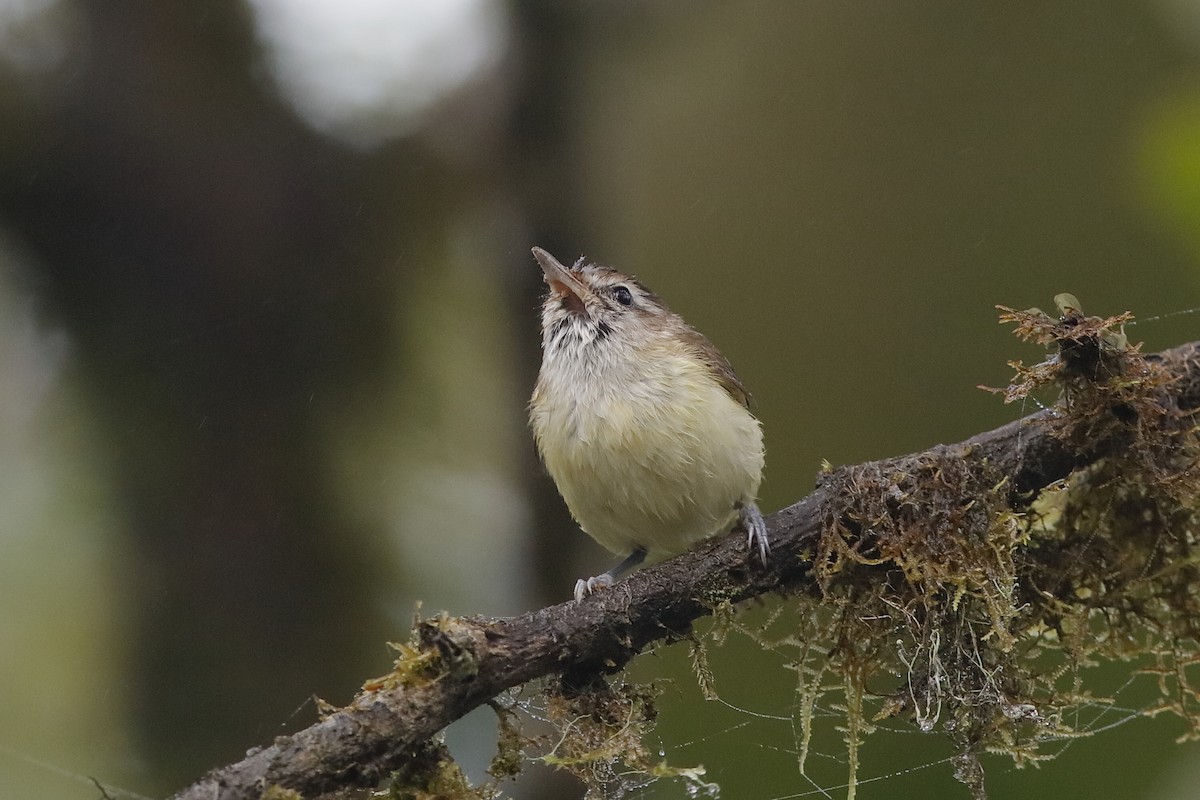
pixel 756 531
pixel 583 588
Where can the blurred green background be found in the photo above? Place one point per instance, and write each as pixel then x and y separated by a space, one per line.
pixel 268 323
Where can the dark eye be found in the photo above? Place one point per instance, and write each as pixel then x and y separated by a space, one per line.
pixel 623 295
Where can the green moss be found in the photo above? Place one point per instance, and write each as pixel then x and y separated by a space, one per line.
pixel 436 647
pixel 949 600
pixel 431 774
pixel 992 606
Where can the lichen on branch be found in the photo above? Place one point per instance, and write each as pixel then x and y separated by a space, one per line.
pixel 989 575
pixel 992 599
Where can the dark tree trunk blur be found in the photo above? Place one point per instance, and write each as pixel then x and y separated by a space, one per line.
pixel 227 276
pixel 207 253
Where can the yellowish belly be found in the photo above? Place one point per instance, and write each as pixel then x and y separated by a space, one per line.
pixel 659 471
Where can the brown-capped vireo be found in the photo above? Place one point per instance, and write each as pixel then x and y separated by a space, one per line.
pixel 640 420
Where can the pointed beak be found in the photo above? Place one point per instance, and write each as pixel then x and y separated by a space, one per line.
pixel 562 282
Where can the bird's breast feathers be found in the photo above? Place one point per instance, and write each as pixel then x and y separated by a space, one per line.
pixel 647 458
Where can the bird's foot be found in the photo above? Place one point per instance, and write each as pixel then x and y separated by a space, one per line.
pixel 584 588
pixel 592 585
pixel 752 522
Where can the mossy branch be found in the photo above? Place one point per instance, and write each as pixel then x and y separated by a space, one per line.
pixel 944 525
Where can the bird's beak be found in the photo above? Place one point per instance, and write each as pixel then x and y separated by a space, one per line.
pixel 562 282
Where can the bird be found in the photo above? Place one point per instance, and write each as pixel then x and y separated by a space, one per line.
pixel 640 421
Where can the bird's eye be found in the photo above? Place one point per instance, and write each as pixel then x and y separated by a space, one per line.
pixel 623 295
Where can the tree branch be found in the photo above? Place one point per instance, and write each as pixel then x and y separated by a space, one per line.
pixel 460 663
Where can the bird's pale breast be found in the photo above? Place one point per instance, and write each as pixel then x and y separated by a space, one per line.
pixel 655 457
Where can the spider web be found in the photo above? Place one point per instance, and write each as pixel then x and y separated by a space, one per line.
pixel 748 740
pixel 761 735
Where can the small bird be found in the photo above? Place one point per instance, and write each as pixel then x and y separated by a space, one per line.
pixel 641 422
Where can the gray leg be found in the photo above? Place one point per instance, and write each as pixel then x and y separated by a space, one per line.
pixel 751 520
pixel 583 588
pixel 631 561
